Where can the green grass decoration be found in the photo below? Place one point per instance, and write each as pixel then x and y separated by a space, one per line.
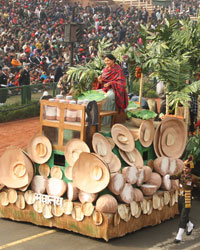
pixel 92 95
pixel 132 105
pixel 142 114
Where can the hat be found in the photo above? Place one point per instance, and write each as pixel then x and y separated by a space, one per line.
pixel 135 133
pixel 110 140
pixel 102 147
pixel 73 149
pixel 132 158
pixel 146 133
pixel 90 174
pixel 122 137
pixel 115 163
pixel 189 162
pixel 173 137
pixel 16 169
pixel 39 149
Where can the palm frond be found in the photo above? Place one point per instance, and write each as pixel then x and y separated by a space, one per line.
pixel 176 98
pixel 192 88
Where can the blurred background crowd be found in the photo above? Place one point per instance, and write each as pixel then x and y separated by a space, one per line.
pixel 32 46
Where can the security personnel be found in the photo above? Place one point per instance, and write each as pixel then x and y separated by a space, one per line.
pixel 24 78
pixel 186 183
pixel 3 77
pixel 3 85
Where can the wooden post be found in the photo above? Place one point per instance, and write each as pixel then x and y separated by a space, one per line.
pixel 167 105
pixel 141 90
pixel 198 113
pixel 187 117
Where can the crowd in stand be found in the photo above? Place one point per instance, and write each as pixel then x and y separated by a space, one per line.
pixel 32 42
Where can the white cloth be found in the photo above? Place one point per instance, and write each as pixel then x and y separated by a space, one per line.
pixel 190 226
pixel 179 235
pixel 160 87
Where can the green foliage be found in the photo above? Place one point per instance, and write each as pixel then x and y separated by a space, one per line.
pixel 144 114
pixel 176 98
pixel 192 88
pixel 193 147
pixel 92 95
pixel 132 105
pixel 174 74
pixel 103 46
pixel 82 77
pixel 183 95
pixel 18 111
pixel 149 89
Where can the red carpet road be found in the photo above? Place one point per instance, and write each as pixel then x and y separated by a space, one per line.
pixel 18 133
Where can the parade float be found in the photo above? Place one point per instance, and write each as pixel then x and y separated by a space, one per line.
pixel 102 184
pixel 76 176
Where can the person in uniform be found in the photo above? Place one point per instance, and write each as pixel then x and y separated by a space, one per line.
pixel 186 182
pixel 3 77
pixel 24 80
pixel 3 85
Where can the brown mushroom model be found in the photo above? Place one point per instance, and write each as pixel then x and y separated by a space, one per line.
pixel 72 192
pixel 180 166
pixel 122 137
pixel 148 189
pixel 130 174
pixel 161 165
pixel 39 149
pixel 86 197
pixel 38 184
pixel 146 133
pixel 115 164
pixel 166 183
pixel 90 174
pixel 147 173
pixel 155 179
pixel 132 158
pixel 73 149
pixel 16 168
pixel 56 187
pixel 116 184
pixel 173 137
pixel 106 204
pixel 138 195
pixel 156 141
pixel 102 147
pixel 127 193
pixel 173 166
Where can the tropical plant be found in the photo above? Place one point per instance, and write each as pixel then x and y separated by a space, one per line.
pixel 81 76
pixel 132 57
pixel 173 56
pixel 193 147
